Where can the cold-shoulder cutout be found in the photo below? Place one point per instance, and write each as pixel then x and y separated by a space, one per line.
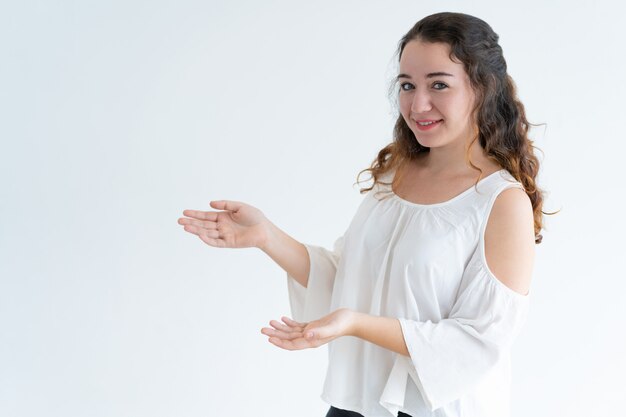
pixel 508 240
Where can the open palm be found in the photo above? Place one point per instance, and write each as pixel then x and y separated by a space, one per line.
pixel 293 335
pixel 239 225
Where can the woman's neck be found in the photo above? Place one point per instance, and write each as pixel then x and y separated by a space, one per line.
pixel 451 161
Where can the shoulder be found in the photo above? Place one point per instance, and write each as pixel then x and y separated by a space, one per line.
pixel 512 202
pixel 510 239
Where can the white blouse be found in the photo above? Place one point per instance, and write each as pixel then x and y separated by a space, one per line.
pixel 425 265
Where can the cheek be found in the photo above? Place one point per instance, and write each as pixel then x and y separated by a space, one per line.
pixel 404 101
pixel 441 103
pixel 464 104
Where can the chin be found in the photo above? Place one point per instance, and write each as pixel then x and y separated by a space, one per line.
pixel 428 143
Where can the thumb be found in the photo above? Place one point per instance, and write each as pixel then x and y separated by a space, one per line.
pixel 318 333
pixel 228 205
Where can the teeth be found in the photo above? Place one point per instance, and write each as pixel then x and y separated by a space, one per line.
pixel 425 124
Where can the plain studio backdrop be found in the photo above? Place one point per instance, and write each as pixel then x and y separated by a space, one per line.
pixel 116 116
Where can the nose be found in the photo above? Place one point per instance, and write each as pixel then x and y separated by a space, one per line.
pixel 421 102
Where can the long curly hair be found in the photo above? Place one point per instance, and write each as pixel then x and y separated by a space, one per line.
pixel 502 127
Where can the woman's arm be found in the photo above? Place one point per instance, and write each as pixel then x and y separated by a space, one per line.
pixel 240 225
pixel 288 253
pixel 292 335
pixel 510 240
pixel 382 331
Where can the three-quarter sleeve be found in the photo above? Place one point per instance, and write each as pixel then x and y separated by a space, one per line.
pixel 313 301
pixel 452 356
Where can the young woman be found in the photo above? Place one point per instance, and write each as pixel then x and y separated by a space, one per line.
pixel 431 278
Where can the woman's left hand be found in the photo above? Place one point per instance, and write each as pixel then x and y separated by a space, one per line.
pixel 292 335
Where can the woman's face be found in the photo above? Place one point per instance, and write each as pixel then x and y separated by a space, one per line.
pixel 433 88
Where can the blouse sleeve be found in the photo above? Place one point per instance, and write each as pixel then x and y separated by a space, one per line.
pixel 313 301
pixel 453 355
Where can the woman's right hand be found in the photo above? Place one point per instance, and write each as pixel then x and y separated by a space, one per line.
pixel 239 225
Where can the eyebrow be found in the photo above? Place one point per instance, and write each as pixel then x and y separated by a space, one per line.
pixel 429 75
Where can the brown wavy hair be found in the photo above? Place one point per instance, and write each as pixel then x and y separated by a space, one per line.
pixel 501 124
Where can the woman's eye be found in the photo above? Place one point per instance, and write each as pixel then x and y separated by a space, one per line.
pixel 440 84
pixel 406 86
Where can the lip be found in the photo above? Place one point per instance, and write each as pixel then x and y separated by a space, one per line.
pixel 429 127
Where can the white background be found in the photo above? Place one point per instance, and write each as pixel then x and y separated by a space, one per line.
pixel 115 116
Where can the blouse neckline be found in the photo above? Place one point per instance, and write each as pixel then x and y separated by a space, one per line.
pixel 446 202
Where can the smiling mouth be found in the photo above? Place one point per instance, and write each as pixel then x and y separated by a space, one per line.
pixel 428 125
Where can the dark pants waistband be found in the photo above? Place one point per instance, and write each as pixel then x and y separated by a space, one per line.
pixel 337 412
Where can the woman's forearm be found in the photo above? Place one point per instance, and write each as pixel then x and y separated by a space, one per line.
pixel 288 253
pixel 382 331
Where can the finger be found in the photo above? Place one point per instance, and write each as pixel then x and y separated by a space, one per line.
pixel 279 326
pixel 286 344
pixel 280 334
pixel 296 344
pixel 278 342
pixel 210 237
pixel 218 243
pixel 191 229
pixel 201 215
pixel 201 231
pixel 290 322
pixel 228 205
pixel 200 223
